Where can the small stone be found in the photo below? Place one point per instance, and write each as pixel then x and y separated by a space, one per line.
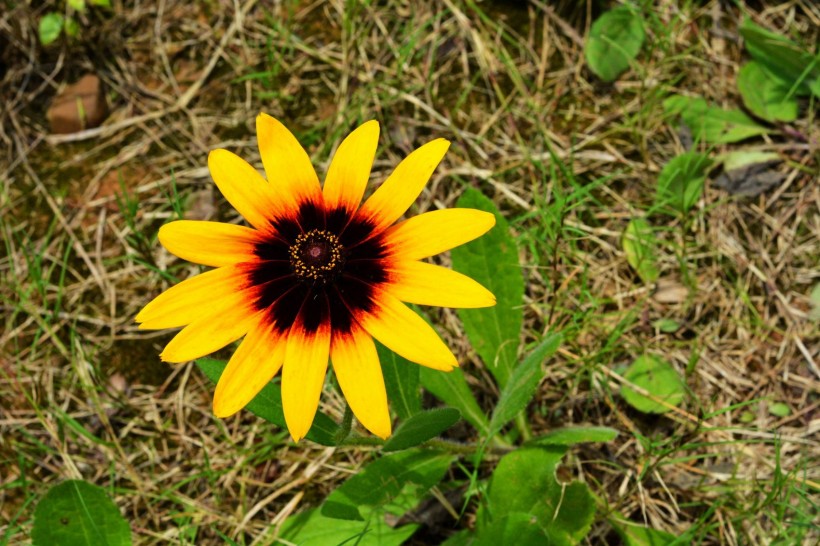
pixel 79 106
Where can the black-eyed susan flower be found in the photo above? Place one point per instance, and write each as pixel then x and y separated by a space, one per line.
pixel 316 276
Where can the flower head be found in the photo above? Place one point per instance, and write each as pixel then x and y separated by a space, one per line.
pixel 316 276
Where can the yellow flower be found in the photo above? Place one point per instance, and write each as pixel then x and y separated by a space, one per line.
pixel 316 276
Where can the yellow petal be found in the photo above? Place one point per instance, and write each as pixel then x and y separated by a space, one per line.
pixel 428 284
pixel 350 169
pixel 244 188
pixel 209 243
pixel 433 232
pixel 404 185
pixel 402 331
pixel 303 375
pixel 207 293
pixel 287 165
pixel 356 365
pixel 210 333
pixel 252 366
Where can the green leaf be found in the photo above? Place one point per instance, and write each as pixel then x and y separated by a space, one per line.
pixel 779 409
pixel 680 183
pixel 666 325
pixel 523 383
pixel 738 159
pixel 712 124
pixel 615 39
pixel 452 389
pixel 517 528
pixel 659 379
pixel 101 3
pixel 638 243
pixel 459 538
pixel 524 481
pixel 383 480
pixel 569 436
pixel 633 534
pixel 268 405
pixel 50 27
pixel 311 528
pixel 781 57
pixel 765 96
pixel 77 513
pixel 78 5
pixel 401 377
pixel 422 427
pixel 492 260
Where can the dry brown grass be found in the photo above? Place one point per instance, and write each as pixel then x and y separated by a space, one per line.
pixel 82 392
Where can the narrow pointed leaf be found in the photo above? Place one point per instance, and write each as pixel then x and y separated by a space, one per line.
pixel 401 377
pixel 492 260
pixel 452 389
pixel 422 427
pixel 521 387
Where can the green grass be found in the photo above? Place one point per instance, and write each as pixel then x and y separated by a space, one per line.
pixel 568 159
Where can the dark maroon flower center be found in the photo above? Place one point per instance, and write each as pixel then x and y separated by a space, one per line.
pixel 316 256
pixel 319 266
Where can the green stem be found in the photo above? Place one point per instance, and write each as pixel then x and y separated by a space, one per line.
pixel 523 427
pixel 450 446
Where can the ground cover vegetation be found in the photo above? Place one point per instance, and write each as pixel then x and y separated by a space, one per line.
pixel 648 375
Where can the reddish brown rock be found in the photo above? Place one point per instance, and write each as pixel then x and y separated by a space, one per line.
pixel 79 106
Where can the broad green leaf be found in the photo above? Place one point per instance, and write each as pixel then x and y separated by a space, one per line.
pixel 521 387
pixel 633 534
pixel 779 409
pixel 268 405
pixel 638 242
pixel 712 124
pixel 781 57
pixel 659 379
pixel 517 528
pixel 459 538
pixel 421 427
pixel 78 5
pixel 569 436
pixel 765 96
pixel 680 183
pixel 401 377
pixel 77 513
pixel 615 39
pixel 311 528
pixel 524 481
pixel 383 479
pixel 452 389
pixel 576 513
pixel 50 27
pixel 666 325
pixel 737 159
pixel 492 260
